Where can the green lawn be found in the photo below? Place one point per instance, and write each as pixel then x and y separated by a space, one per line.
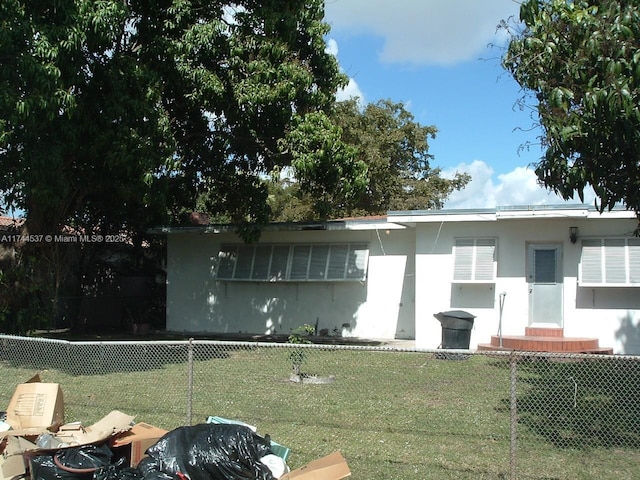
pixel 393 415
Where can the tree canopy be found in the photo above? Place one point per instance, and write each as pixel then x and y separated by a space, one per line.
pixel 116 115
pixel 126 110
pixel 580 59
pixel 395 148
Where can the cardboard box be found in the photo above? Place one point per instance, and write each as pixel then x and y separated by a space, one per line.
pixel 35 407
pixel 12 463
pixel 74 434
pixel 331 467
pixel 12 466
pixel 134 443
pixel 114 423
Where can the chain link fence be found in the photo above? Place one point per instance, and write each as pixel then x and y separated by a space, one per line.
pixel 394 413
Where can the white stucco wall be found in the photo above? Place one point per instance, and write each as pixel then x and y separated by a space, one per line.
pixel 381 307
pixel 409 280
pixel 611 314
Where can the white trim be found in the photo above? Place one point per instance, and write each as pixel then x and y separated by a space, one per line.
pixel 508 214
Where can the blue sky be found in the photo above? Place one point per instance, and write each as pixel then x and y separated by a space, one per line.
pixel 435 57
pixel 441 58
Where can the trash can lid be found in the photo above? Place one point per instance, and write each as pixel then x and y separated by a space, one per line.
pixel 455 314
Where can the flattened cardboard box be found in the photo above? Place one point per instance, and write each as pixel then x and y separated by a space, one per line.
pixel 75 435
pixel 12 466
pixel 35 407
pixel 114 423
pixel 137 440
pixel 12 463
pixel 331 467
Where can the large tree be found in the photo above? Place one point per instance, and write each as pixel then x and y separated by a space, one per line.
pixel 580 59
pixel 121 105
pixel 395 149
pixel 115 112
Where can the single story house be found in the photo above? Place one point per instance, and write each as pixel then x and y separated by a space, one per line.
pixel 518 269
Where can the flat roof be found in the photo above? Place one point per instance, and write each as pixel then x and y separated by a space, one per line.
pixel 363 223
pixel 409 218
pixel 567 210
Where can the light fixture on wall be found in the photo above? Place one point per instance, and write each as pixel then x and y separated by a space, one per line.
pixel 573 234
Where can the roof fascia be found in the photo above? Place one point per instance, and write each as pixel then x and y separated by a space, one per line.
pixel 333 225
pixel 439 216
pixel 569 211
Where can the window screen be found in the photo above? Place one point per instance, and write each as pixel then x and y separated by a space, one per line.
pixel 544 266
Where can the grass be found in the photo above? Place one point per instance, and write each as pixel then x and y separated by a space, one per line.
pixel 393 415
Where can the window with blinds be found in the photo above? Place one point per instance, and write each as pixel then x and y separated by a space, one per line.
pixel 610 262
pixel 474 260
pixel 297 263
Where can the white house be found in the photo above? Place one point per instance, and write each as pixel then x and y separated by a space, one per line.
pixel 565 269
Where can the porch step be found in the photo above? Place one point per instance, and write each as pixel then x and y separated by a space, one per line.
pixel 545 340
pixel 543 332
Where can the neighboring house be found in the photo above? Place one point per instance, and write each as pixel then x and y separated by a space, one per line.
pixel 9 235
pixel 10 224
pixel 566 268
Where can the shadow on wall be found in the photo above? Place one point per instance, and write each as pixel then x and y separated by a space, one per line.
pixel 280 309
pixel 275 308
pixel 269 313
pixel 629 335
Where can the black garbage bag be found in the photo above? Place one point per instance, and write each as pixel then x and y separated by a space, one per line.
pixel 149 468
pixel 76 463
pixel 212 452
pixel 148 465
pixel 118 471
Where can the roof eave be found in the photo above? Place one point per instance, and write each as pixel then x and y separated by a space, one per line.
pixel 332 225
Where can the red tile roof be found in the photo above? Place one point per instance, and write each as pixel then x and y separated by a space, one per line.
pixel 6 222
pixel 196 218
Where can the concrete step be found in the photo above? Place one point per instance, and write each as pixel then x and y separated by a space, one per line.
pixel 543 332
pixel 537 343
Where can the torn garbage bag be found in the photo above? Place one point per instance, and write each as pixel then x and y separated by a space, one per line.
pixel 210 452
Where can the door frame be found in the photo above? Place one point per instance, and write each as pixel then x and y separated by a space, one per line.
pixel 546 298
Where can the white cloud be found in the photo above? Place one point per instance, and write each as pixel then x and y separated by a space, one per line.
pixel 352 89
pixel 332 47
pixel 517 187
pixel 418 32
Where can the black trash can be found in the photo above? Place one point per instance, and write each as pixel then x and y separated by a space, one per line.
pixel 456 329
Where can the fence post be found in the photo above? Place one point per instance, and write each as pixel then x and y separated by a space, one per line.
pixel 513 402
pixel 190 382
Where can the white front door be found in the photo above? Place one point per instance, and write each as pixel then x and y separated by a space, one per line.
pixel 545 284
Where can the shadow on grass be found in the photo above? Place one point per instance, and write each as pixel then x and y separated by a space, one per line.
pixel 113 352
pixel 581 403
pixel 97 358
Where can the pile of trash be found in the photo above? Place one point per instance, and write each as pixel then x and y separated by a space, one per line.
pixel 36 444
